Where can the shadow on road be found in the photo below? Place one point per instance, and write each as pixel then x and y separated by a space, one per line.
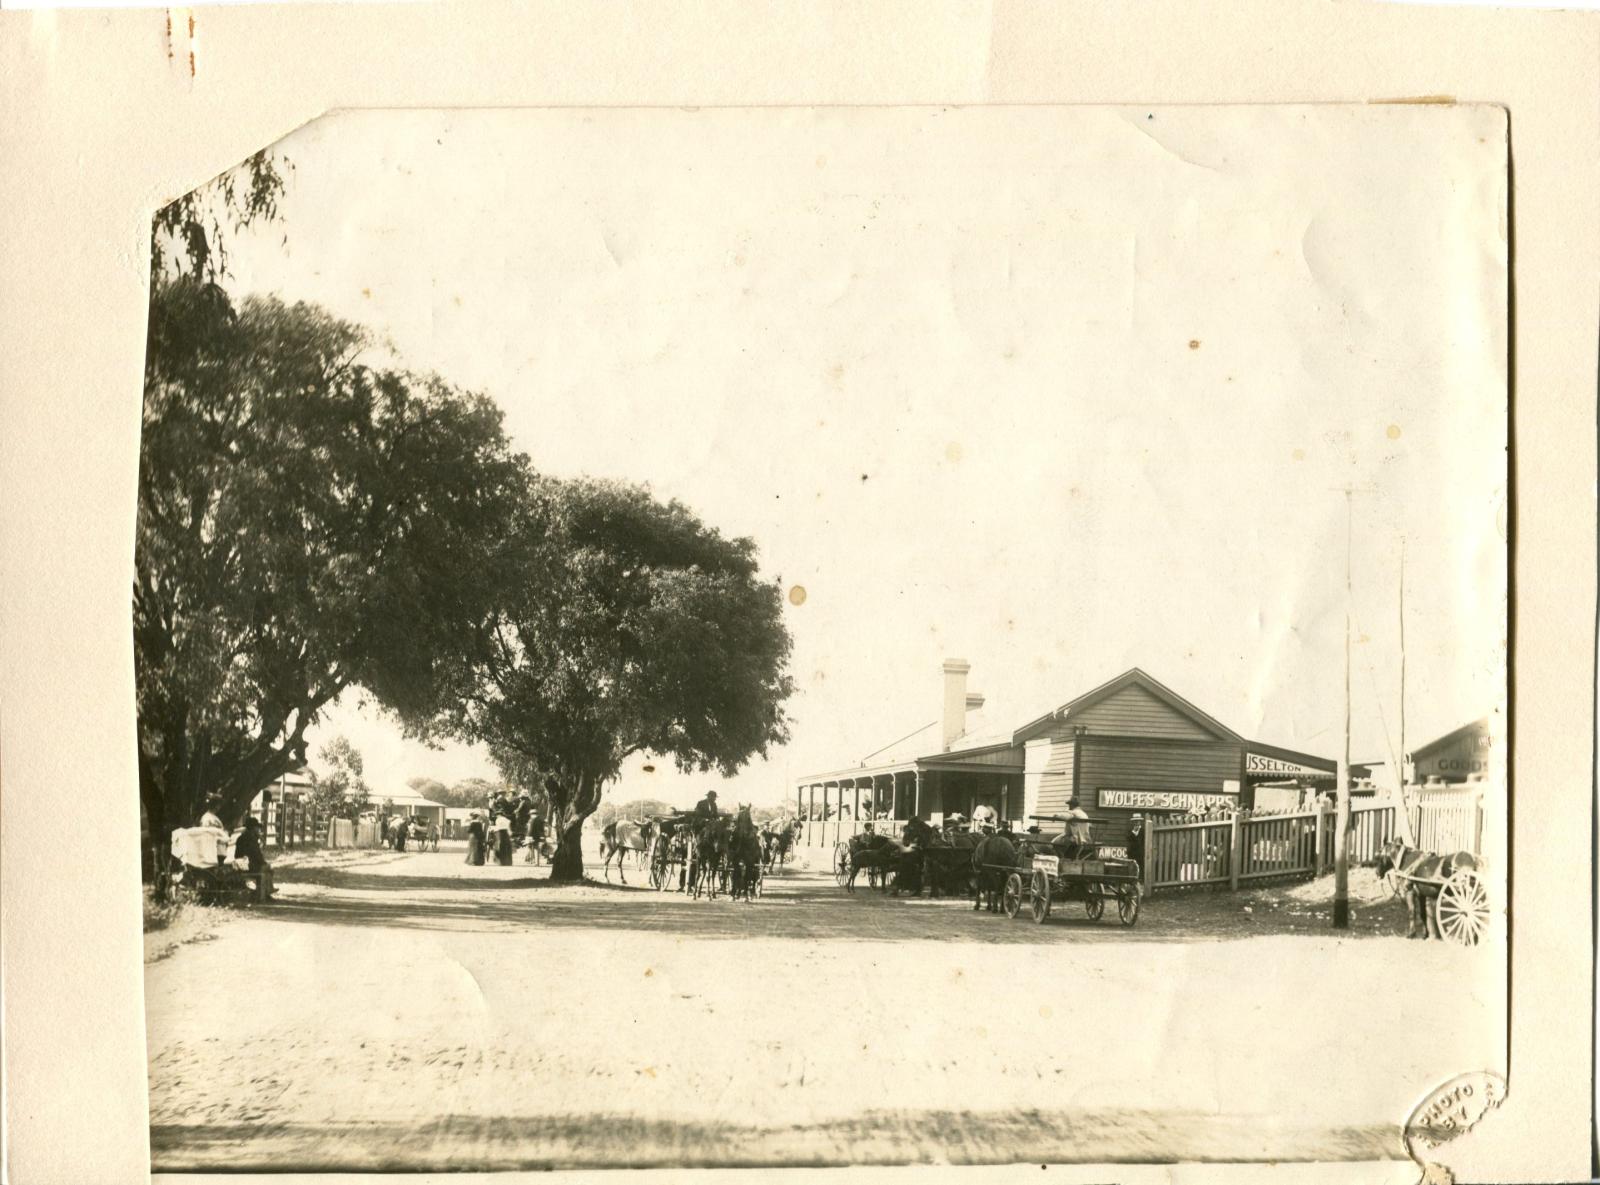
pixel 797 905
pixel 488 1143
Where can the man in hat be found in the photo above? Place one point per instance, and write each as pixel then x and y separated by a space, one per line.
pixel 248 848
pixel 1136 841
pixel 1078 829
pixel 706 808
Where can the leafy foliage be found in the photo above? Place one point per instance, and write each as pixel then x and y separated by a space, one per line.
pixel 188 238
pixel 307 522
pixel 342 791
pixel 629 626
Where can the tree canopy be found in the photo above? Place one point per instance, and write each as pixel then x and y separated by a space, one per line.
pixel 308 522
pixel 630 626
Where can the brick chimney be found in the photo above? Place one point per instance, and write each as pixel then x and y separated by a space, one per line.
pixel 955 699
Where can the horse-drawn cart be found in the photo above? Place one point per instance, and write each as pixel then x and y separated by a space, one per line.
pixel 1446 894
pixel 203 871
pixel 1053 870
pixel 669 849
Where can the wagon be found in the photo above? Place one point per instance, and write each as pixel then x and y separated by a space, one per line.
pixel 1050 870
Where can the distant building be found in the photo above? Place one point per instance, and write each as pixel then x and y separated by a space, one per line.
pixel 410 804
pixel 1457 757
pixel 1130 745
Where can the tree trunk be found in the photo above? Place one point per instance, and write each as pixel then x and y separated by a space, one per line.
pixel 568 863
pixel 150 793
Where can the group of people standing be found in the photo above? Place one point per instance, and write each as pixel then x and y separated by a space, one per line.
pixel 398 831
pixel 507 824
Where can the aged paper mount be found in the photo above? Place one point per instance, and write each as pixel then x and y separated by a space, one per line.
pixel 70 452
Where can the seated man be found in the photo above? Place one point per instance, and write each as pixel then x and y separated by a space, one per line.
pixel 1078 834
pixel 248 848
pixel 984 818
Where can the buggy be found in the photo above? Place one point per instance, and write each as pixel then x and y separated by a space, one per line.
pixel 669 849
pixel 202 869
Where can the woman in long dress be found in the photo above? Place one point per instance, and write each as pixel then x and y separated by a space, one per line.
pixel 502 839
pixel 475 839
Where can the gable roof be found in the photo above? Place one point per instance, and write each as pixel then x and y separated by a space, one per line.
pixel 1450 738
pixel 1133 677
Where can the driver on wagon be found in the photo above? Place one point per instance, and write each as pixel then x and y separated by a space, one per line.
pixel 706 808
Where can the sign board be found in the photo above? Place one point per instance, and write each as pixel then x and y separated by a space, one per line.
pixel 1162 800
pixel 1466 756
pixel 1259 765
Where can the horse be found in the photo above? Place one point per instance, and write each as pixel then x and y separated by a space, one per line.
pixel 618 838
pixel 876 854
pixel 988 877
pixel 708 851
pixel 1421 898
pixel 744 855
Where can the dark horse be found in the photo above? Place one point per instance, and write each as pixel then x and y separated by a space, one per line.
pixel 1421 898
pixel 875 853
pixel 994 859
pixel 744 856
pixel 708 853
pixel 619 837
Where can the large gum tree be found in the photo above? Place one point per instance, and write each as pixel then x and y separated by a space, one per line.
pixel 629 627
pixel 309 521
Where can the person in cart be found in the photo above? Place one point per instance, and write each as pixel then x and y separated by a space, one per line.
pixel 212 816
pixel 984 818
pixel 706 808
pixel 1075 843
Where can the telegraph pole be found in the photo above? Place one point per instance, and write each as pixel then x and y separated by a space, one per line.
pixel 1403 809
pixel 1341 818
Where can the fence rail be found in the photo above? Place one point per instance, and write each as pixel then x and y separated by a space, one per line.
pixel 1246 848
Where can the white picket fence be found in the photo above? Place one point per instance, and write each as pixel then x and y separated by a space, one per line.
pixel 1242 848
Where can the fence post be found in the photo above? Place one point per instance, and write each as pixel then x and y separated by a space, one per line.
pixel 1151 846
pixel 1235 848
pixel 1322 815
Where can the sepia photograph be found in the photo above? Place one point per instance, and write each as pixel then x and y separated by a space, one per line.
pixel 814 636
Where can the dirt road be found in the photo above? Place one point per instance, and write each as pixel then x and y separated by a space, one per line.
pixel 409 1012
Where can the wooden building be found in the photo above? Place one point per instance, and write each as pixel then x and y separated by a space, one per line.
pixel 1129 746
pixel 1461 755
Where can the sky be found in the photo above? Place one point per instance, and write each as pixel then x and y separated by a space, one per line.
pixel 1059 391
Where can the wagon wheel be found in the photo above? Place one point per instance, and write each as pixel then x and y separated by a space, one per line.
pixel 658 866
pixel 1011 897
pixel 1463 909
pixel 1039 895
pixel 1094 902
pixel 841 863
pixel 1128 905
